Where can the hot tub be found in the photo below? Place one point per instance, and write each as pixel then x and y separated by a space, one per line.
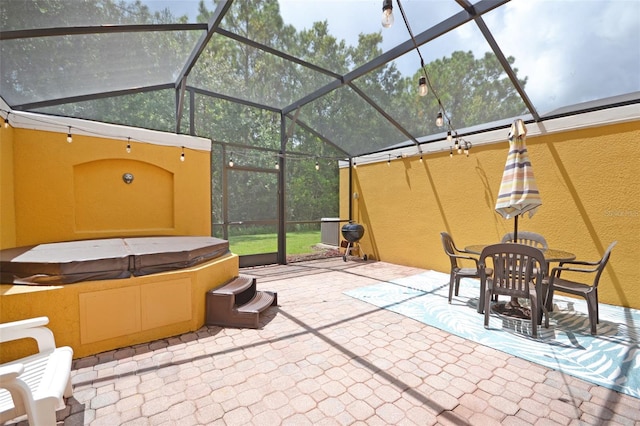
pixel 105 259
pixel 106 294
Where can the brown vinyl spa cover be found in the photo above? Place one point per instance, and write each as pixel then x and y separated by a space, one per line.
pixel 104 259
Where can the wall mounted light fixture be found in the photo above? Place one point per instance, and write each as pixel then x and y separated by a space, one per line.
pixel 127 178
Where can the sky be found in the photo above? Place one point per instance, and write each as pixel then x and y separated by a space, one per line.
pixel 571 51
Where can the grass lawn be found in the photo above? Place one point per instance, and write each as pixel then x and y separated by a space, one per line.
pixel 297 243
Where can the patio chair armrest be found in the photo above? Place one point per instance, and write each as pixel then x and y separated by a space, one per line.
pixel 459 256
pixel 555 272
pixel 579 262
pixel 29 328
pixel 10 372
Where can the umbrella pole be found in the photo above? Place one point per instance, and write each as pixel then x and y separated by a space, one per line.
pixel 515 229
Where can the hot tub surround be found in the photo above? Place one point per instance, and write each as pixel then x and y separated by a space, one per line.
pixel 97 316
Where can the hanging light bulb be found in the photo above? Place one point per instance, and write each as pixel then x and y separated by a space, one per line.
pixel 449 137
pixel 450 152
pixel 182 155
pixel 466 148
pixel 69 137
pixel 422 86
pixel 230 161
pixel 389 160
pixel 317 166
pixel 277 165
pixel 128 145
pixel 6 121
pixel 354 164
pixel 459 148
pixel 456 145
pixel 439 119
pixel 387 13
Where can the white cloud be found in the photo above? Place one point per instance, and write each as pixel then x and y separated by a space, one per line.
pixel 571 51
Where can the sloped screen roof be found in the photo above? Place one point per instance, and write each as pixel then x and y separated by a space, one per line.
pixel 208 68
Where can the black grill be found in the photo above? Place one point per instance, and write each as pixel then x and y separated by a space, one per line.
pixel 352 232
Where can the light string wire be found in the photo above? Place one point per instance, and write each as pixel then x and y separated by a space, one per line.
pixel 461 141
pixel 65 129
pixel 240 153
pixel 250 157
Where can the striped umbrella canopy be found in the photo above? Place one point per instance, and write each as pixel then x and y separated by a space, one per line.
pixel 518 190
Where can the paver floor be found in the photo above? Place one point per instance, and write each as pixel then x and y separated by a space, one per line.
pixel 323 358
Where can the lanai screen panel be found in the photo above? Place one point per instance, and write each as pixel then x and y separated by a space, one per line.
pixel 129 110
pixel 31 14
pixel 473 86
pixel 344 45
pixel 571 52
pixel 244 72
pixel 238 124
pixel 40 69
pixel 345 118
pixel 569 56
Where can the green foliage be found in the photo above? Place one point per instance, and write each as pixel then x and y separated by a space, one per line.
pixel 301 242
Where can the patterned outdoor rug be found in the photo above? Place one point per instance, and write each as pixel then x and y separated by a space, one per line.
pixel 610 359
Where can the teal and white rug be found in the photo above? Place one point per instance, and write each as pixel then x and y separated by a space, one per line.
pixel 610 359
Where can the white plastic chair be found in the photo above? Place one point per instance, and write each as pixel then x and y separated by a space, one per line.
pixel 34 385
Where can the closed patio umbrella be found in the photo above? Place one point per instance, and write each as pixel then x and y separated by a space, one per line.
pixel 518 190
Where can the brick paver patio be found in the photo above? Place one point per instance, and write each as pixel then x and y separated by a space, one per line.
pixel 323 358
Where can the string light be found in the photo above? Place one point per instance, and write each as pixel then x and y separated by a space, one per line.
pixel 317 166
pixel 450 152
pixel 449 137
pixel 439 119
pixel 231 160
pixel 277 165
pixel 182 155
pixel 6 121
pixel 423 89
pixel 467 145
pixel 387 13
pixel 389 160
pixel 128 145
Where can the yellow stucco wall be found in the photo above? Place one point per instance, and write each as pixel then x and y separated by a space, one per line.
pixel 71 191
pixel 588 180
pixel 7 210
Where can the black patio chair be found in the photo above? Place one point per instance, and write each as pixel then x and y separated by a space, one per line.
pixel 588 291
pixel 457 271
pixel 518 271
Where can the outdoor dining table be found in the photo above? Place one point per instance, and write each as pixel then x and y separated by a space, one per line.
pixel 550 255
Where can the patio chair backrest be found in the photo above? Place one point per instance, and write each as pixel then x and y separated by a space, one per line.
pixel 516 267
pixel 449 248
pixel 528 238
pixel 603 263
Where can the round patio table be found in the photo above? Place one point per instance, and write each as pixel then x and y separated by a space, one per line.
pixel 550 255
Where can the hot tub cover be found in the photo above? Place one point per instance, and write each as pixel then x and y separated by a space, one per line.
pixel 105 259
